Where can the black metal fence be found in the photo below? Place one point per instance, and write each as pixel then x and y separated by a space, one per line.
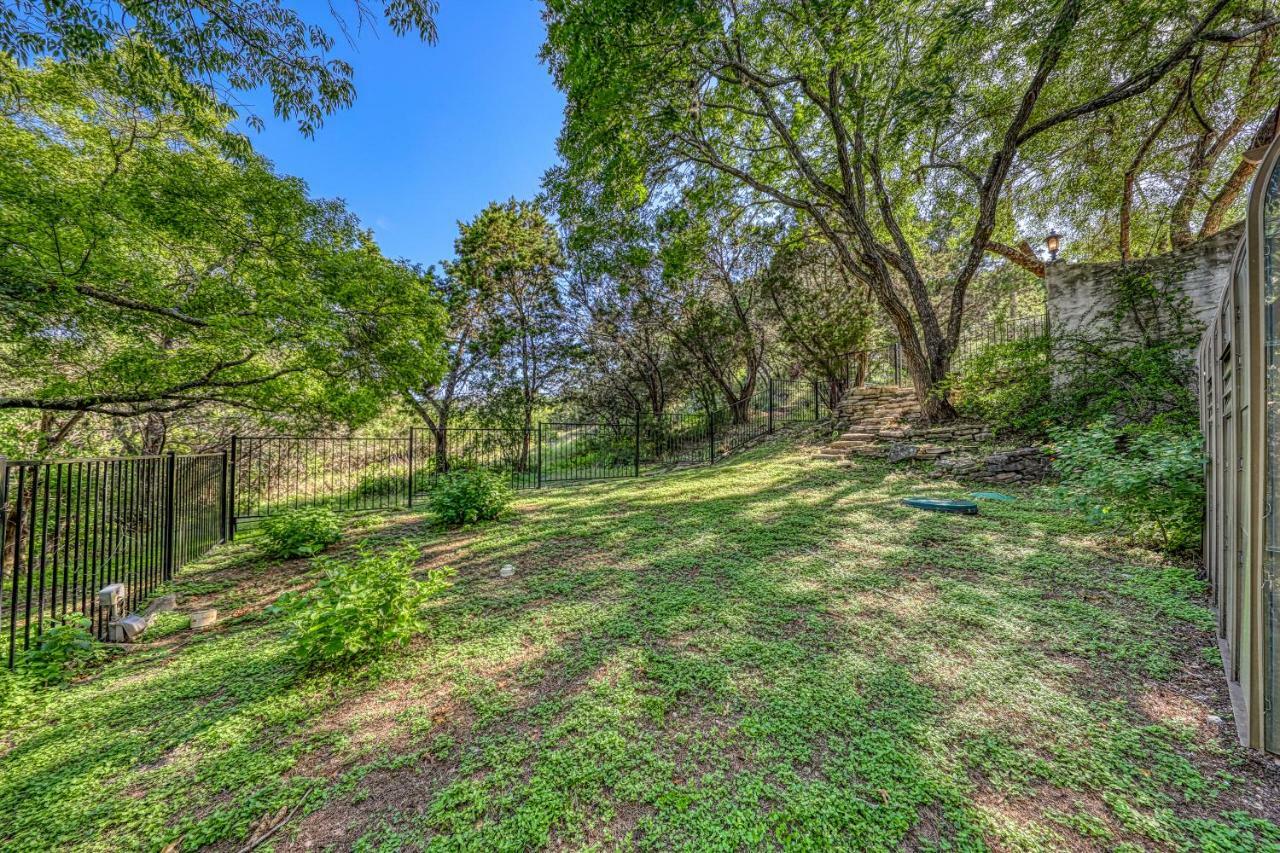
pixel 69 527
pixel 974 339
pixel 887 365
pixel 273 474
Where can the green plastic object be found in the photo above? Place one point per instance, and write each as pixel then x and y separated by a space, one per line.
pixel 992 496
pixel 956 507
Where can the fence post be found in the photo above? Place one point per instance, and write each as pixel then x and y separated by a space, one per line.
pixel 231 491
pixel 637 442
pixel 711 437
pixel 223 515
pixel 170 515
pixel 410 467
pixel 539 454
pixel 816 400
pixel 770 405
pixel 4 528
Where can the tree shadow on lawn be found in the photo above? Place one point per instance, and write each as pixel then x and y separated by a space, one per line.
pixel 726 642
pixel 764 652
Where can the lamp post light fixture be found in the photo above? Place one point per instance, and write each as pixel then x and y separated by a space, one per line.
pixel 1052 242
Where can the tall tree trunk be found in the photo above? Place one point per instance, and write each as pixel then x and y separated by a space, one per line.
pixel 440 433
pixel 927 369
pixel 155 432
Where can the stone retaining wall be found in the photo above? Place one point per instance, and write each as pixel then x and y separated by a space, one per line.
pixel 1021 465
pixel 1081 296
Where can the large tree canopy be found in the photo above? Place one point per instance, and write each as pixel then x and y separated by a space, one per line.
pixel 225 44
pixel 892 128
pixel 142 270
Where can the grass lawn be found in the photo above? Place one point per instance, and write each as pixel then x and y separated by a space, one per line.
pixel 768 653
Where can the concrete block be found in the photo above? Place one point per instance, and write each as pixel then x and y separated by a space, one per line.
pixel 202 620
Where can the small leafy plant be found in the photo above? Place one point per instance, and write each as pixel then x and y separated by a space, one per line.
pixel 64 648
pixel 361 607
pixel 300 532
pixel 465 497
pixel 1149 480
pixel 167 624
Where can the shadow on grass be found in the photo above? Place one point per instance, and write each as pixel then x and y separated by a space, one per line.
pixel 765 652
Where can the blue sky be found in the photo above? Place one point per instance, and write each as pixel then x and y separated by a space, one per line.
pixel 436 133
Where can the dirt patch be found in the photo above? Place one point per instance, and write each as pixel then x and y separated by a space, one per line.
pixel 402 794
pixel 1057 812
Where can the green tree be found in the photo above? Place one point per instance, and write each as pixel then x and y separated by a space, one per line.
pixel 144 270
pixel 472 343
pixel 511 252
pixel 825 319
pixel 225 45
pixel 893 129
pixel 716 257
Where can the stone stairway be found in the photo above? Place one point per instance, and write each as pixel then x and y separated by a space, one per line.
pixel 885 423
pixel 876 414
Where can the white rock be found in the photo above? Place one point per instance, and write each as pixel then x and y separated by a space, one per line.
pixel 507 570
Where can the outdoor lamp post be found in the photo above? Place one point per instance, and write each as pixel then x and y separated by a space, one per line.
pixel 1052 242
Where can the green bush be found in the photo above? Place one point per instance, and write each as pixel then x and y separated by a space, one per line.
pixel 300 532
pixel 465 497
pixel 62 649
pixel 1007 385
pixel 361 607
pixel 1149 479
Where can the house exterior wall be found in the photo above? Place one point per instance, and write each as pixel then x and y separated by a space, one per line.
pixel 1239 377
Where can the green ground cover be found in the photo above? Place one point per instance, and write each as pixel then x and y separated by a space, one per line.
pixel 767 653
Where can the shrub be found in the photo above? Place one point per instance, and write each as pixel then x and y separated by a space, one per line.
pixel 1148 479
pixel 361 607
pixel 62 649
pixel 465 497
pixel 1007 385
pixel 300 532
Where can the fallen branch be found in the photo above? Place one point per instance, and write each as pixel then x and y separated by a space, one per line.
pixel 262 839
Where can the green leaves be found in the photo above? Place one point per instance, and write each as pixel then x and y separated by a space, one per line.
pixel 65 646
pixel 300 532
pixel 362 607
pixel 242 45
pixel 143 268
pixel 1148 480
pixel 465 497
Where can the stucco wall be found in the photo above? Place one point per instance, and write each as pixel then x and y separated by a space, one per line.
pixel 1079 295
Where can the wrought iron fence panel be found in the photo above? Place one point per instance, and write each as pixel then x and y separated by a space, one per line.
pixel 673 439
pixel 510 451
pixel 571 452
pixel 70 527
pixel 274 474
